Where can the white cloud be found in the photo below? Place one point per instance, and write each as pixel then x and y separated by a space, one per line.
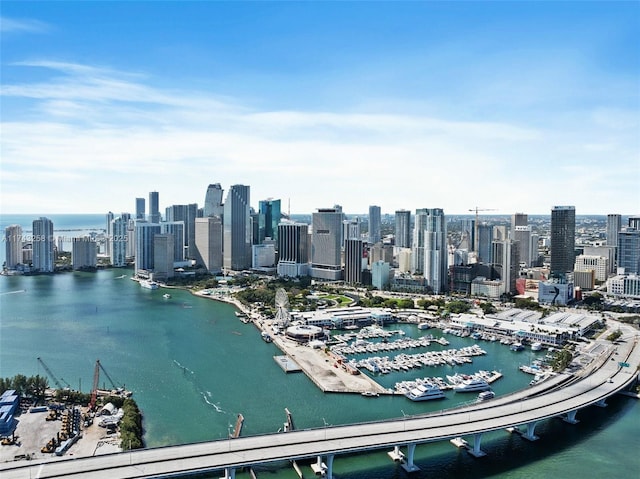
pixel 108 136
pixel 22 25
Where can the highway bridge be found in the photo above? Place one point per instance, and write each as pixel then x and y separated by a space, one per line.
pixel 614 370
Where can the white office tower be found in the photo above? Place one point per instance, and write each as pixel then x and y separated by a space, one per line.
pixel 13 246
pixel 176 228
pixel 375 224
pixel 145 232
pixel 107 243
pixel 213 201
pixel 353 249
pixel 436 265
pixel 163 253
pixel 131 238
pixel 119 241
pixel 208 243
pixel 293 249
pixel 522 236
pixel 42 244
pixel 326 243
pixel 237 229
pixel 403 229
pixel 263 257
pixel 614 224
pixel 419 229
pixel 351 229
pixel 404 260
pixel 84 253
pixel 505 261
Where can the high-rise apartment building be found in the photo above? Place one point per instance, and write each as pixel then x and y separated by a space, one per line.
pixel 175 228
pixel 145 232
pixel 293 249
pixel 269 218
pixel 213 201
pixel 326 243
pixel 42 244
pixel 375 224
pixel 563 234
pixel 208 243
pixel 467 234
pixel 163 253
pixel 519 219
pixel 187 214
pixel 436 266
pixel 119 241
pixel 403 229
pixel 140 208
pixel 505 262
pixel 13 245
pixel 108 241
pixel 154 207
pixel 84 253
pixel 237 229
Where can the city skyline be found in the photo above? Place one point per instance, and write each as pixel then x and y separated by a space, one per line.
pixel 513 107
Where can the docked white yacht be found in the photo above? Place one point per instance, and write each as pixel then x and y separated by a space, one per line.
pixel 425 392
pixel 147 284
pixel 471 385
pixel 536 346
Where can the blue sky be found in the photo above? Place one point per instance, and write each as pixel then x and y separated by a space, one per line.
pixel 515 106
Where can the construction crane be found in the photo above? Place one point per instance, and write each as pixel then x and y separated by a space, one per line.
pixel 475 226
pixel 113 384
pixel 53 377
pixel 94 389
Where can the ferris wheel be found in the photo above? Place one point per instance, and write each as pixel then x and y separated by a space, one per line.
pixel 282 308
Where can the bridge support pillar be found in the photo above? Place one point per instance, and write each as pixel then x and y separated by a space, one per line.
pixel 329 470
pixel 571 417
pixel 476 451
pixel 531 429
pixel 408 465
pixel 602 403
pixel 229 473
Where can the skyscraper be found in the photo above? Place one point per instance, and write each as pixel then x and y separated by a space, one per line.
pixel 326 243
pixel 436 266
pixel 293 249
pixel 145 233
pixel 353 261
pixel 154 207
pixel 505 261
pixel 614 223
pixel 351 229
pixel 563 233
pixel 120 231
pixel 187 214
pixel 269 218
pixel 109 239
pixel 522 236
pixel 140 208
pixel 375 224
pixel 42 243
pixel 629 250
pixel 163 253
pixel 176 229
pixel 13 245
pixel 237 229
pixel 213 201
pixel 403 229
pixel 519 219
pixel 84 253
pixel 208 243
pixel 485 240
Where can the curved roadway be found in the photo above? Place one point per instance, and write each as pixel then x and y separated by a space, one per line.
pixel 560 395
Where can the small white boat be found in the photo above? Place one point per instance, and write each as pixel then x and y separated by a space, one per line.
pixel 486 395
pixel 471 385
pixel 145 283
pixel 166 296
pixel 536 346
pixel 369 394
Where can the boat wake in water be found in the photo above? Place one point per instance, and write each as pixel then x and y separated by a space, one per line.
pixel 206 395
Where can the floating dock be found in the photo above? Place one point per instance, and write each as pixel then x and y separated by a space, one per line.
pixel 287 364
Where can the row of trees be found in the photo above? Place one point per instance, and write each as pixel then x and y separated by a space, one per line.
pixel 131 430
pixel 33 386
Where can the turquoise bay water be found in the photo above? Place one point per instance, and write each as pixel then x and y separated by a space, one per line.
pixel 193 367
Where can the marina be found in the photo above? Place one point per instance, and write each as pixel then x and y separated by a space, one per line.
pixel 210 398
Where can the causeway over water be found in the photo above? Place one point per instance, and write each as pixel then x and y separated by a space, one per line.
pixel 562 395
